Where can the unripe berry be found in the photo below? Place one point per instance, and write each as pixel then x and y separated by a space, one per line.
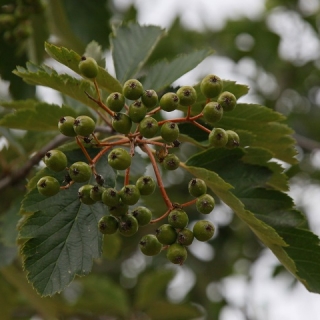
pixel 149 98
pixel 149 245
pixel 115 101
pixel 96 192
pixel 110 197
pixel 84 194
pixel 146 185
pixel 171 162
pixel 143 215
pixel 166 234
pixel 211 86
pixel 65 126
pixel 132 89
pixel 178 218
pixel 203 230
pixel 108 224
pixel 88 67
pixel 148 127
pixel 169 101
pixel 187 95
pixel 128 225
pixel 80 171
pixel 227 100
pixel 233 139
pixel 119 210
pixel 129 194
pixel 169 131
pixel 177 253
pixel 197 187
pixel 121 123
pixel 205 204
pixel 212 112
pixel 119 159
pixel 48 186
pixel 83 126
pixel 137 111
pixel 185 237
pixel 55 160
pixel 218 138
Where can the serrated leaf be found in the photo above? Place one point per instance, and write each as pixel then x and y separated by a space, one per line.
pixel 71 59
pixel 164 73
pixel 42 117
pixel 131 46
pixel 19 104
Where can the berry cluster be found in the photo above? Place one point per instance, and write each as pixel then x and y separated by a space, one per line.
pixel 131 113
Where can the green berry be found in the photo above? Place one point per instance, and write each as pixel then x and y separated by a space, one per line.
pixel 146 185
pixel 96 192
pixel 149 245
pixel 169 131
pixel 83 126
pixel 137 111
pixel 171 162
pixel 227 100
pixel 115 101
pixel 233 139
pixel 88 67
pixel 110 197
pixel 218 137
pixel 80 171
pixel 177 253
pixel 84 194
pixel 55 160
pixel 205 204
pixel 65 126
pixel 211 86
pixel 169 101
pixel 166 234
pixel 143 215
pixel 128 225
pixel 148 127
pixel 121 123
pixel 212 112
pixel 108 224
pixel 48 186
pixel 119 159
pixel 129 194
pixel 132 89
pixel 197 187
pixel 119 210
pixel 185 237
pixel 187 95
pixel 203 230
pixel 149 98
pixel 178 218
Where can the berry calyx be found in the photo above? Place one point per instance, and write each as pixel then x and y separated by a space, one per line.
pixel 203 230
pixel 128 225
pixel 177 253
pixel 171 162
pixel 227 100
pixel 148 127
pixel 233 139
pixel 88 67
pixel 119 159
pixel 149 245
pixel 211 86
pixel 84 194
pixel 166 234
pixel 212 112
pixel 146 185
pixel 83 126
pixel 149 98
pixel 55 160
pixel 178 218
pixel 143 215
pixel 121 123
pixel 80 171
pixel 132 89
pixel 205 204
pixel 187 95
pixel 218 138
pixel 169 101
pixel 110 197
pixel 108 224
pixel 65 126
pixel 169 131
pixel 185 237
pixel 137 111
pixel 197 187
pixel 129 194
pixel 48 186
pixel 115 101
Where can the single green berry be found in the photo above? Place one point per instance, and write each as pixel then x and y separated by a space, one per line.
pixel 149 98
pixel 143 215
pixel 110 197
pixel 148 127
pixel 197 187
pixel 119 159
pixel 171 162
pixel 205 204
pixel 169 131
pixel 115 101
pixel 137 111
pixel 212 112
pixel 166 234
pixel 65 126
pixel 178 218
pixel 149 245
pixel 218 137
pixel 227 100
pixel 211 86
pixel 129 194
pixel 233 139
pixel 119 210
pixel 146 185
pixel 108 224
pixel 132 89
pixel 187 95
pixel 128 225
pixel 48 186
pixel 96 192
pixel 80 171
pixel 185 237
pixel 83 126
pixel 55 160
pixel 169 101
pixel 88 67
pixel 177 253
pixel 84 194
pixel 121 123
pixel 203 230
